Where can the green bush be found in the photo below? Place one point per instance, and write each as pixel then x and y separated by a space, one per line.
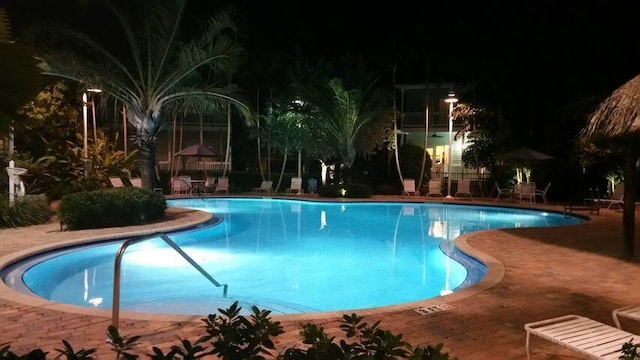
pixel 353 190
pixel 231 336
pixel 25 211
pixel 110 207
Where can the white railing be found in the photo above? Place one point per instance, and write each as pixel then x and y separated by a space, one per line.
pixel 215 166
pixel 416 120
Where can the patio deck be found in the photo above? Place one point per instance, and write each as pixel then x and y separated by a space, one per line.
pixel 548 272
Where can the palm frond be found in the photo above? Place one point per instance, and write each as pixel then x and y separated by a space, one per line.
pixel 19 73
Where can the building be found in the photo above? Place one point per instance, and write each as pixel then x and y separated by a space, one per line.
pixel 419 101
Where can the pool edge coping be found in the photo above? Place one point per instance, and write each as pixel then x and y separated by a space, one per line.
pixel 495 272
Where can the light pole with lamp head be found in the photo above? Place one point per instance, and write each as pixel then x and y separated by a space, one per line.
pixel 85 144
pixel 451 99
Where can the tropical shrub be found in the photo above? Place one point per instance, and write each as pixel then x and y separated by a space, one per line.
pixel 630 351
pixel 234 337
pixel 110 207
pixel 24 211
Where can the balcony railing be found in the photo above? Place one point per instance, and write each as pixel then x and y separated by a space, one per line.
pixel 416 120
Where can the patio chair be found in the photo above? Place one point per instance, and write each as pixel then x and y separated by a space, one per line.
pixel 209 184
pixel 630 312
pixel 222 186
pixel 464 188
pixel 502 192
pixel 296 186
pixel 542 193
pixel 409 187
pixel 116 181
pixel 527 192
pixel 180 186
pixel 435 188
pixel 265 187
pixel 582 335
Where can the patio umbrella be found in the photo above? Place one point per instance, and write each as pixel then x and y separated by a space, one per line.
pixel 197 150
pixel 524 153
pixel 617 120
pixel 523 156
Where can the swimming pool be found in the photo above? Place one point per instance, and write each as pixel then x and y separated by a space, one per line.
pixel 287 256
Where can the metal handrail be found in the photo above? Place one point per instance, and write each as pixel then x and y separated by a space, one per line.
pixel 115 307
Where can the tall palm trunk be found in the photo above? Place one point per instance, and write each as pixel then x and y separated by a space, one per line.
pixel 148 162
pixel 284 164
pixel 259 136
pixel 227 153
pixel 426 128
pixel 395 129
pixel 348 157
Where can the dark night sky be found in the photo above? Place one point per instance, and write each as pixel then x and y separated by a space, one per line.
pixel 522 49
pixel 581 39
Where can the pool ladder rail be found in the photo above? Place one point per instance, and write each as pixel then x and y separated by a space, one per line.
pixel 115 307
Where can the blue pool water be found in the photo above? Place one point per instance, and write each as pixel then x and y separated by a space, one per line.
pixel 287 256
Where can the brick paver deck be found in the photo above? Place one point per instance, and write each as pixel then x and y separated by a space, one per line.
pixel 537 273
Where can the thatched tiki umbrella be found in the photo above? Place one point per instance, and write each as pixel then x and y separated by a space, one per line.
pixel 617 121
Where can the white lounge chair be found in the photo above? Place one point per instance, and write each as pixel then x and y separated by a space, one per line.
pixel 265 187
pixel 435 188
pixel 617 197
pixel 583 335
pixel 464 188
pixel 409 187
pixel 223 185
pixel 296 186
pixel 629 312
pixel 116 181
pixel 209 184
pixel 136 181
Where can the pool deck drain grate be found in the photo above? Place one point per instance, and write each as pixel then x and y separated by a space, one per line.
pixel 433 309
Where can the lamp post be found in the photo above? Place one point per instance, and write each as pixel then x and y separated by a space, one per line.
pixel 451 99
pixel 85 143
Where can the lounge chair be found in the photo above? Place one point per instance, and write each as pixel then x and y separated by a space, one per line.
pixel 116 181
pixel 409 187
pixel 464 188
pixel 222 185
pixel 209 184
pixel 542 193
pixel 616 199
pixel 296 186
pixel 583 335
pixel 265 187
pixel 631 312
pixel 435 188
pixel 136 182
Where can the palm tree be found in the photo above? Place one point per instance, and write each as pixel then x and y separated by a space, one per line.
pixel 19 73
pixel 345 113
pixel 160 73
